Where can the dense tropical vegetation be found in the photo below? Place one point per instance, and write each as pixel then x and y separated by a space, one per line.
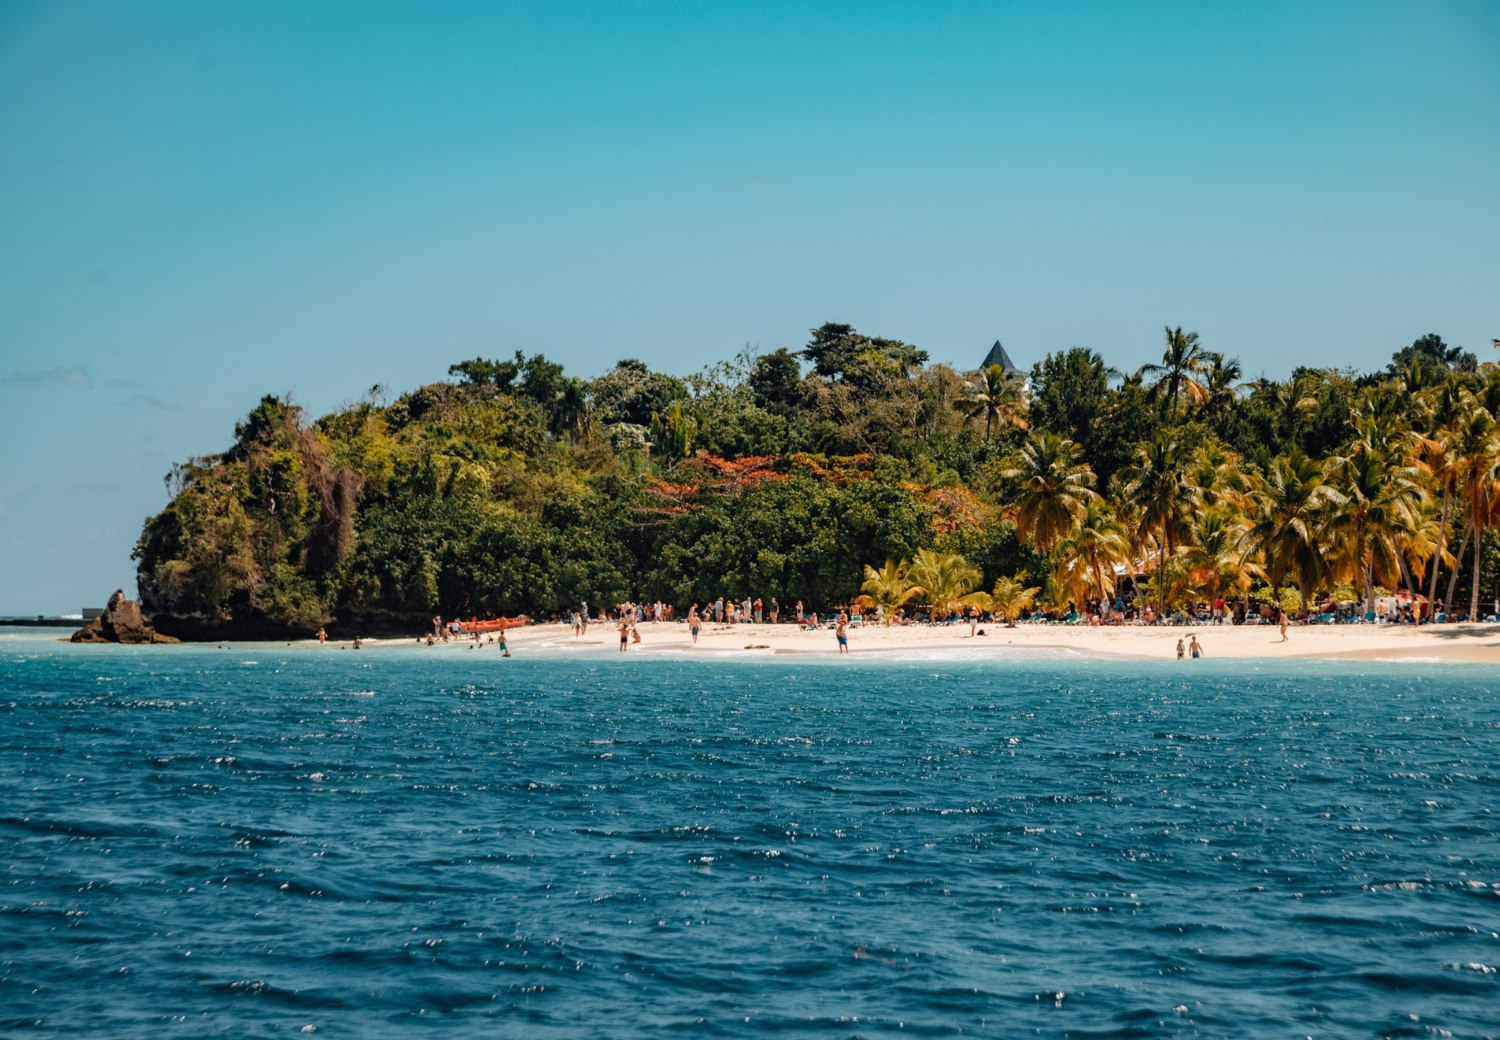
pixel 850 469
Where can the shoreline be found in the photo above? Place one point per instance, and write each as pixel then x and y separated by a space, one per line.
pixel 1463 643
pixel 1471 643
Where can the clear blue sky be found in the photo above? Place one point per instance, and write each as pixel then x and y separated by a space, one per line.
pixel 202 202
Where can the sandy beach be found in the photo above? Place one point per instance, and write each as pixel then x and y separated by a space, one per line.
pixel 1458 643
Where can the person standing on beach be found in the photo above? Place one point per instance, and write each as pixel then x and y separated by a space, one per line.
pixel 624 633
pixel 1281 624
pixel 694 623
pixel 1181 649
pixel 842 634
pixel 585 618
pixel 775 610
pixel 1194 647
pixel 504 647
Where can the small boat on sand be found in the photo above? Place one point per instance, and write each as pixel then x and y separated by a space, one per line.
pixel 490 625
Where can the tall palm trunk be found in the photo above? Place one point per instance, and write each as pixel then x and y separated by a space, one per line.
pixel 1463 547
pixel 1437 559
pixel 1474 592
pixel 1161 571
pixel 1406 575
pixel 1366 570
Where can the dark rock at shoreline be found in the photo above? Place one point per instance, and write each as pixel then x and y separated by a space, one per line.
pixel 121 622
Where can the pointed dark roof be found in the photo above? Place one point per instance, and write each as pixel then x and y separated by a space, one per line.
pixel 998 356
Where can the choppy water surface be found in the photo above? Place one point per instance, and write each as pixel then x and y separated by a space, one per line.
pixel 269 842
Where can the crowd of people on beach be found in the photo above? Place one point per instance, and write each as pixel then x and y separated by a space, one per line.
pixel 626 618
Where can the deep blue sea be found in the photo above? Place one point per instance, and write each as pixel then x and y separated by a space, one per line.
pixel 267 841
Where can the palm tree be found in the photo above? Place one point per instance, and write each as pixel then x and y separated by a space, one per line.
pixel 997 396
pixel 1297 401
pixel 1379 502
pixel 1442 408
pixel 1181 362
pixel 887 588
pixel 945 580
pixel 1218 475
pixel 1284 528
pixel 1222 387
pixel 1212 559
pixel 1157 482
pixel 672 434
pixel 1010 596
pixel 1053 487
pixel 1477 445
pixel 1084 561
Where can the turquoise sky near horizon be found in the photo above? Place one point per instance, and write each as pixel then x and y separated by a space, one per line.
pixel 204 202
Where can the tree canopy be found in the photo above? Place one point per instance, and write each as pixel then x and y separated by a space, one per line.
pixel 516 487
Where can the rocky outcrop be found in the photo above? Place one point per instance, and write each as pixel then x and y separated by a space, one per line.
pixel 121 622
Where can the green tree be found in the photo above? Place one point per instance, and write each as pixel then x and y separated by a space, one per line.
pixel 631 393
pixel 1285 527
pixel 1010 597
pixel 1477 445
pixel 1052 486
pixel 1182 363
pixel 1070 394
pixel 775 382
pixel 1084 560
pixel 996 397
pixel 1434 360
pixel 1378 503
pixel 945 580
pixel 1158 482
pixel 838 352
pixel 887 589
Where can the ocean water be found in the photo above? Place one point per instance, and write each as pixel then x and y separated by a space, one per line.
pixel 267 841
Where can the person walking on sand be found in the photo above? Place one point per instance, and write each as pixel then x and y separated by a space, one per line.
pixel 1194 647
pixel 504 647
pixel 842 633
pixel 1181 649
pixel 695 623
pixel 1281 624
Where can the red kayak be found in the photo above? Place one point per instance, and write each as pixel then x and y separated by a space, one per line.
pixel 493 625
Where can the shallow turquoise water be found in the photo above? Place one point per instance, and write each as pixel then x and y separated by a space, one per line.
pixel 259 840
